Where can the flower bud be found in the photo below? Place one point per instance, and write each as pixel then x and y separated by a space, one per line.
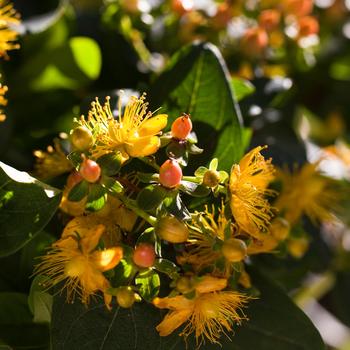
pixel 181 127
pixel 172 230
pixel 234 250
pixel 280 228
pixel 144 255
pixel 125 297
pixel 81 138
pixel 298 246
pixel 211 178
pixel 90 170
pixel 170 174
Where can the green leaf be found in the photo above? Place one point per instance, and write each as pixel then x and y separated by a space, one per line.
pixel 79 191
pixel 242 88
pixel 167 267
pixel 275 322
pixel 110 163
pixel 26 206
pixel 197 82
pixel 150 197
pixel 194 189
pixel 39 301
pixel 148 284
pixel 16 326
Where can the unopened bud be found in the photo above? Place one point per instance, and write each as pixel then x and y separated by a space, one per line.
pixel 234 250
pixel 125 297
pixel 81 138
pixel 172 230
pixel 170 174
pixel 211 178
pixel 90 170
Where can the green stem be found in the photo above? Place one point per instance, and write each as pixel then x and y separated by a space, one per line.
pixel 151 162
pixel 130 204
pixel 192 179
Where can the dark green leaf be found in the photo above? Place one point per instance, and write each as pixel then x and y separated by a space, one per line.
pixel 275 322
pixel 150 197
pixel 79 191
pixel 194 189
pixel 148 284
pixel 110 163
pixel 26 206
pixel 167 267
pixel 197 82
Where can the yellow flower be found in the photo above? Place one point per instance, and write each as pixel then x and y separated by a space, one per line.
pixel 209 314
pixel 248 187
pixel 114 217
pixel 53 162
pixel 204 231
pixel 308 192
pixel 3 101
pixel 75 261
pixel 8 36
pixel 133 134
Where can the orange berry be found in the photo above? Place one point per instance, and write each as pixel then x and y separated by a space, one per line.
pixel 181 127
pixel 181 6
pixel 308 25
pixel 170 174
pixel 73 179
pixel 144 255
pixel 298 7
pixel 269 19
pixel 90 170
pixel 254 41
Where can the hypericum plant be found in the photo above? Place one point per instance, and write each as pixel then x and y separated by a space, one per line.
pixel 128 222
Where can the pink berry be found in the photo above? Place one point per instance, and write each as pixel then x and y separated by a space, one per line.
pixel 170 174
pixel 181 127
pixel 144 255
pixel 90 170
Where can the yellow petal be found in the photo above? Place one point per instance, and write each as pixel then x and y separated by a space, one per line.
pixel 176 303
pixel 106 259
pixel 154 125
pixel 142 147
pixel 89 242
pixel 172 321
pixel 210 284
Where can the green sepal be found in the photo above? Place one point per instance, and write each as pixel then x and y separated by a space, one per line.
pixel 79 191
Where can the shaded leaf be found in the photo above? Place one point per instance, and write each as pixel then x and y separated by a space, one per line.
pixel 26 206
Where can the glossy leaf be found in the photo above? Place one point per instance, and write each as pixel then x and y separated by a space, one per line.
pixel 197 82
pixel 26 206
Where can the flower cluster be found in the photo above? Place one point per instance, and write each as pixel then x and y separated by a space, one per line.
pixel 129 218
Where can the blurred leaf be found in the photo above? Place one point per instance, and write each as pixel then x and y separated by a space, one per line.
pixel 340 69
pixel 26 206
pixel 275 322
pixel 40 301
pixel 197 82
pixel 242 88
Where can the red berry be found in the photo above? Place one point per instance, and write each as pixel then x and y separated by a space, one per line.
pixel 90 170
pixel 144 255
pixel 73 179
pixel 170 174
pixel 181 127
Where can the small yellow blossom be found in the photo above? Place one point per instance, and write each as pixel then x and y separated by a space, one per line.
pixel 3 101
pixel 204 231
pixel 208 315
pixel 114 216
pixel 52 162
pixel 8 36
pixel 133 134
pixel 248 187
pixel 307 191
pixel 75 261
